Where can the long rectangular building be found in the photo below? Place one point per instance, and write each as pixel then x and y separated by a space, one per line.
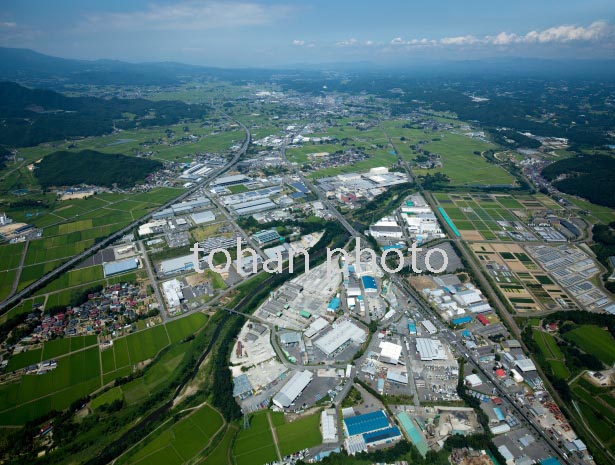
pixel 293 389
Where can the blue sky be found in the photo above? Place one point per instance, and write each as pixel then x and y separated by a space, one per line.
pixel 277 33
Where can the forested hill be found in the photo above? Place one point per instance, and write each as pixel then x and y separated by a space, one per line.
pixel 589 176
pixel 33 116
pixel 91 167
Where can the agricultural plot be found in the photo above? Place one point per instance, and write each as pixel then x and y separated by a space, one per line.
pixel 594 340
pixel 76 375
pixel 24 359
pixel 501 217
pixel 76 225
pixel 551 352
pixel 107 397
pixel 178 443
pixel 220 454
pixel 255 445
pixel 145 344
pixel 596 406
pixel 463 162
pixel 58 347
pixel 299 434
pixel 184 327
pixel 519 279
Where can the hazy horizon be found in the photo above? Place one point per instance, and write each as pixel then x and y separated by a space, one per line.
pixel 263 33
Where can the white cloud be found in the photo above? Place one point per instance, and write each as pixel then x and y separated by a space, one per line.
pixel 460 40
pixel 303 43
pixel 8 24
pixel 299 43
pixel 347 43
pixel 190 15
pixel 598 31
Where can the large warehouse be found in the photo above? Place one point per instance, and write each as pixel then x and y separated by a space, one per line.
pixel 340 336
pixel 293 389
pixel 430 349
pixel 369 430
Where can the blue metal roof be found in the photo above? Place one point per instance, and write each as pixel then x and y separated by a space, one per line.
pixel 121 266
pixel 550 461
pixel 382 435
pixel 334 304
pixel 366 423
pixel 462 320
pixel 369 282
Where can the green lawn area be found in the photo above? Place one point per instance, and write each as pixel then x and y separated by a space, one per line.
pixel 239 188
pixel 298 435
pixel 552 353
pixel 594 340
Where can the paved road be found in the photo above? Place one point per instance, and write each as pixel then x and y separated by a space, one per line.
pixel 152 279
pixel 9 302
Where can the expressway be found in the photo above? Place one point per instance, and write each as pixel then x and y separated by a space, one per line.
pixel 9 302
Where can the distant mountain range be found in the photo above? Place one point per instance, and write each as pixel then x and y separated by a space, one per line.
pixel 36 69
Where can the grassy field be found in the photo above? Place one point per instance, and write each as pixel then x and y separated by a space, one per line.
pixel 183 327
pixel 254 446
pixel 220 454
pixel 76 375
pixel 107 397
pixel 300 434
pixel 145 344
pixel 596 405
pixel 178 443
pixel 552 353
pixel 595 341
pixel 462 165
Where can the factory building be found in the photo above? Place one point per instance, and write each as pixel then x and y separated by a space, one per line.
pixel 430 349
pixel 121 266
pixel 340 337
pixel 293 389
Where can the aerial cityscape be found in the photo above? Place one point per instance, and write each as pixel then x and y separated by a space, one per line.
pixel 251 232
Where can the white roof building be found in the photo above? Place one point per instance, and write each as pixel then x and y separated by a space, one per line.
pixel 390 352
pixel 430 349
pixel 429 327
pixel 293 389
pixel 327 425
pixel 525 365
pixel 341 334
pixel 468 297
pixel 316 326
pixel 173 292
pixel 473 380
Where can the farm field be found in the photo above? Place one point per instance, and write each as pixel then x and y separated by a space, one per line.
pixel 551 352
pixel 76 375
pixel 519 279
pixel 596 406
pixel 220 454
pixel 70 228
pixel 178 443
pixel 595 341
pixel 299 434
pixel 183 327
pixel 255 445
pixel 501 217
